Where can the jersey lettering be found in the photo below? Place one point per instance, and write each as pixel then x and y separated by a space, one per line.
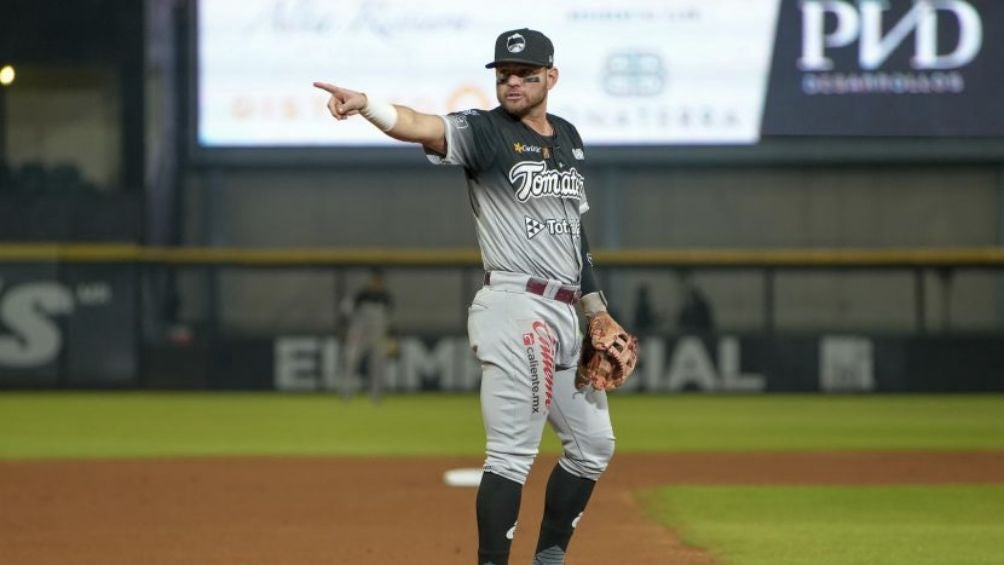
pixel 534 179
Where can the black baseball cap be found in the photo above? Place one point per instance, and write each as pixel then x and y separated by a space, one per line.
pixel 526 46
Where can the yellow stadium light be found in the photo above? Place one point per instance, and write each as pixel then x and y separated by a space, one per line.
pixel 7 75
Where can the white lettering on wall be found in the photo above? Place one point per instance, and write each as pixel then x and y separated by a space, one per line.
pixel 28 312
pixel 864 24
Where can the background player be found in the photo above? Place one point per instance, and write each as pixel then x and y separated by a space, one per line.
pixel 527 194
pixel 366 339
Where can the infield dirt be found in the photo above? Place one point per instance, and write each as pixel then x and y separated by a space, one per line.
pixel 297 511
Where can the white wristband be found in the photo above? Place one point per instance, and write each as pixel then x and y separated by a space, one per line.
pixel 380 114
pixel 594 303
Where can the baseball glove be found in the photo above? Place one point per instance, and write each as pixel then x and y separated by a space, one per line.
pixel 609 354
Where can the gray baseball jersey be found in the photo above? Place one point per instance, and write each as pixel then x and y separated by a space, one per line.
pixel 527 191
pixel 528 194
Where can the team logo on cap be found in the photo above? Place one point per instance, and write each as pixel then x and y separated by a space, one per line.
pixel 515 43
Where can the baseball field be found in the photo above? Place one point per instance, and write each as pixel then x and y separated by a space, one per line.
pixel 246 479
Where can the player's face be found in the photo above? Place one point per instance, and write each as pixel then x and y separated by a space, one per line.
pixel 522 88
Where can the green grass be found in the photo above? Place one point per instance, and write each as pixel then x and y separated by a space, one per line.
pixel 810 422
pixel 163 425
pixel 957 525
pixel 47 425
pixel 902 525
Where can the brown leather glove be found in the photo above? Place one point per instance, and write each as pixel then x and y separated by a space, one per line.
pixel 609 354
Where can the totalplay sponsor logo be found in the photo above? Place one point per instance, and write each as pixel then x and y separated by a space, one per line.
pixel 562 226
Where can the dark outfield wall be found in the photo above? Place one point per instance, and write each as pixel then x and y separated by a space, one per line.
pixel 78 326
pixel 720 363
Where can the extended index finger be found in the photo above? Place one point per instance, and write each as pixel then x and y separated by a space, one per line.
pixel 327 87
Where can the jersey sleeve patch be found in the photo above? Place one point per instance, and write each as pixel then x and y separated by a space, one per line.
pixel 461 140
pixel 448 159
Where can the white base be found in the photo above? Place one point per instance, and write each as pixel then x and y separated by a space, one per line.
pixel 462 477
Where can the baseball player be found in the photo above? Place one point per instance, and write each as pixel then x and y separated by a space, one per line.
pixel 527 193
pixel 369 324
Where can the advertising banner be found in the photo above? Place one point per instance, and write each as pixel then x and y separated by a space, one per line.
pixel 929 68
pixel 67 325
pixel 73 339
pixel 631 71
pixel 33 307
pixel 837 363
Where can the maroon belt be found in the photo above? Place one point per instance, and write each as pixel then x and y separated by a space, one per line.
pixel 566 294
